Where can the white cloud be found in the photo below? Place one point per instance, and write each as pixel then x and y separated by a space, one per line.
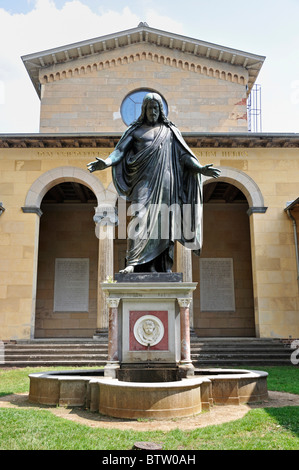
pixel 2 92
pixel 44 27
pixel 47 26
pixel 164 23
pixel 73 23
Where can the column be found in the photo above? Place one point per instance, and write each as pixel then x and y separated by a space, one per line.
pixel 257 232
pixel 30 316
pixel 184 265
pixel 113 353
pixel 184 304
pixel 105 221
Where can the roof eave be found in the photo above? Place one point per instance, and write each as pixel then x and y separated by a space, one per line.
pixel 292 205
pixel 34 62
pixel 201 140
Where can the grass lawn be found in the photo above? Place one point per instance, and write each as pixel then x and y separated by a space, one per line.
pixel 260 429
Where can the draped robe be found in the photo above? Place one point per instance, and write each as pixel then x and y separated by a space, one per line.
pixel 156 179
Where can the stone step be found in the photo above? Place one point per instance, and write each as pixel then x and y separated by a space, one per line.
pixel 56 346
pixel 227 353
pixel 234 347
pixel 241 362
pixel 202 363
pixel 18 350
pixel 235 342
pixel 243 358
pixel 53 357
pixel 58 363
pixel 204 352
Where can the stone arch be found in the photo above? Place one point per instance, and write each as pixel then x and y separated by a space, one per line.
pixel 246 184
pixel 242 253
pixel 58 175
pixel 106 201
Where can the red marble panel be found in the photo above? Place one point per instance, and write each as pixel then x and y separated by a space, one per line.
pixel 162 315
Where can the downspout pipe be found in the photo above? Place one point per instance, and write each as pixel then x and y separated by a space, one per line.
pixel 295 239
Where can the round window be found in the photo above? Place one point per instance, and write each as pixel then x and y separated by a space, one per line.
pixel 131 106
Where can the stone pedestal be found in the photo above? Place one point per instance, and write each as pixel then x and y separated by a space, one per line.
pixel 149 329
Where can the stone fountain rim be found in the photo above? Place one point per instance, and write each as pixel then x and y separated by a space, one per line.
pixel 158 400
pixel 209 375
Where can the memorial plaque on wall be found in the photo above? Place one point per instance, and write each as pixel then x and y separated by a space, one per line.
pixel 71 287
pixel 217 285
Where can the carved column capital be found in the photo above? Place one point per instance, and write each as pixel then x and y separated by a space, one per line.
pixel 184 302
pixel 113 302
pixel 105 215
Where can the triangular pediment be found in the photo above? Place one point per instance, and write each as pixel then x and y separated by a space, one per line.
pixel 141 35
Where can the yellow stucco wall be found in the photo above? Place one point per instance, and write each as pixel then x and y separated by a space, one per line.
pixel 275 172
pixel 19 231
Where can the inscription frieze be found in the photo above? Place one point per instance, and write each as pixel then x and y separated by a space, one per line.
pixel 237 153
pixel 71 153
pixel 81 153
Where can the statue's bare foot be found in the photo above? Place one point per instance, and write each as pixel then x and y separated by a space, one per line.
pixel 128 269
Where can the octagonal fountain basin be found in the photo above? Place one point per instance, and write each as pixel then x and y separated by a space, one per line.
pixel 157 400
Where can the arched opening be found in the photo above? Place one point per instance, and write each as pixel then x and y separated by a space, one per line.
pixel 223 300
pixel 34 198
pixel 67 273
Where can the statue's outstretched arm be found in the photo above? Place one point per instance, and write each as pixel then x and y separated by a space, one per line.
pixel 195 167
pixel 114 157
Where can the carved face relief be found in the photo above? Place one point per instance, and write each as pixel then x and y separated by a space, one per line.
pixel 148 330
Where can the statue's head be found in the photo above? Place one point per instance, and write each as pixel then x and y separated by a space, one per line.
pixel 153 101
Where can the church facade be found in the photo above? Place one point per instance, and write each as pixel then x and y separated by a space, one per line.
pixel 63 230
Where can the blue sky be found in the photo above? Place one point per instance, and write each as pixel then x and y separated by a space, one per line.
pixel 263 27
